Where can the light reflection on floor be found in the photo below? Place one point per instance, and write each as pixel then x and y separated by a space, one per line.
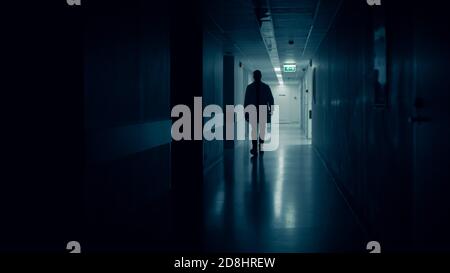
pixel 283 201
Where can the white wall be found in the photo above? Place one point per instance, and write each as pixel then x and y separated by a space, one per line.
pixel 288 98
pixel 242 78
pixel 240 82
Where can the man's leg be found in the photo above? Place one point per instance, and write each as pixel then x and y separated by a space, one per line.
pixel 262 135
pixel 254 137
pixel 254 149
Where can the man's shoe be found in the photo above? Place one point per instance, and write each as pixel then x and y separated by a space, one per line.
pixel 254 151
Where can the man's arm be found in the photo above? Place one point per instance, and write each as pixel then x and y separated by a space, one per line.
pixel 247 100
pixel 271 100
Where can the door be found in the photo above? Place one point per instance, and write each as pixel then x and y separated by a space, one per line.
pixel 281 98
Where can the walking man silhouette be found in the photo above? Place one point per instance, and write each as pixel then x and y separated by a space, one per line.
pixel 258 93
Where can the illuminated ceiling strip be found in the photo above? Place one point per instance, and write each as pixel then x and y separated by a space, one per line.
pixel 268 36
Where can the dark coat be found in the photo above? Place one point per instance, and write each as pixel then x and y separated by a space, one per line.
pixel 259 93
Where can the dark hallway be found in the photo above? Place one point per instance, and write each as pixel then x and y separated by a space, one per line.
pixel 136 141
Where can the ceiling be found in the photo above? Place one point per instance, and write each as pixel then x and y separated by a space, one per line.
pixel 303 22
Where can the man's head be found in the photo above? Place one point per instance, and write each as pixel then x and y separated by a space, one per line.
pixel 257 75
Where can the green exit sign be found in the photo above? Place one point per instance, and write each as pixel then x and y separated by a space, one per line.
pixel 289 68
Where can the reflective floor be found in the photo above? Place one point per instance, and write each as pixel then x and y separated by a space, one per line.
pixel 282 201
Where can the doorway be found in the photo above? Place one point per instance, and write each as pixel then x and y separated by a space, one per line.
pixel 306 87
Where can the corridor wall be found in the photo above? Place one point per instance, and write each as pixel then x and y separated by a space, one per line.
pixel 368 149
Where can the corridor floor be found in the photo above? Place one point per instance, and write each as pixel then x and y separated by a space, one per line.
pixel 282 201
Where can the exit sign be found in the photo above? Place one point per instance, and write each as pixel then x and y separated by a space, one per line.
pixel 289 68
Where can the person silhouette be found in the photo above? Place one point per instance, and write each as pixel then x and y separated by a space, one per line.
pixel 257 94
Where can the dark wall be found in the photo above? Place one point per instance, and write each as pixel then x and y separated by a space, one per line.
pixel 229 83
pixel 368 149
pixel 342 104
pixel 42 127
pixel 213 74
pixel 378 157
pixel 127 111
pixel 431 115
pixel 186 51
pixel 126 74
